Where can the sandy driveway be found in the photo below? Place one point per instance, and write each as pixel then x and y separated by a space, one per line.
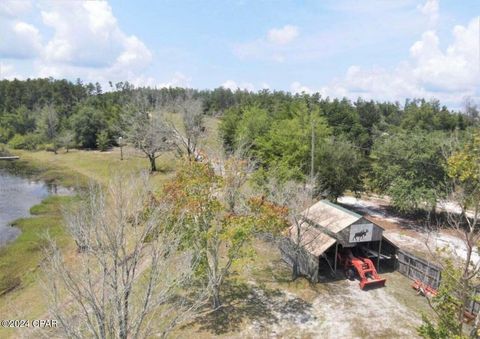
pixel 340 310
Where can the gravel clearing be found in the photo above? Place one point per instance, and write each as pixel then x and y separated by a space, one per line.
pixel 343 310
pixel 353 313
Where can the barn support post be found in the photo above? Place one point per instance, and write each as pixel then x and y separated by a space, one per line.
pixel 335 259
pixel 379 254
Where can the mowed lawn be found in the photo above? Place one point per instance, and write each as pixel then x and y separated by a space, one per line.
pixel 77 167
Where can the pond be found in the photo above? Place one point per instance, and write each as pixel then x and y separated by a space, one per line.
pixel 18 193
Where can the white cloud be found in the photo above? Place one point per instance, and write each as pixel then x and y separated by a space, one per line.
pixel 19 40
pixel 7 71
pixel 86 34
pixel 274 46
pixel 432 72
pixel 177 80
pixel 430 9
pixel 297 88
pixel 264 85
pixel 14 8
pixel 282 36
pixel 87 41
pixel 233 85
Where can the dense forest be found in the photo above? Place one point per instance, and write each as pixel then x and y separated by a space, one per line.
pixel 384 147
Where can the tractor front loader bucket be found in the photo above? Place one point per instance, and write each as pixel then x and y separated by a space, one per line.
pixel 368 274
pixel 373 283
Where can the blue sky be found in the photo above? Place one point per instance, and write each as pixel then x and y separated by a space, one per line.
pixel 380 49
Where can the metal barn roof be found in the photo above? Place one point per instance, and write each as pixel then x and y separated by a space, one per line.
pixel 330 216
pixel 312 239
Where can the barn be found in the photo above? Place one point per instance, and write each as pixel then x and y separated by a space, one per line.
pixel 328 232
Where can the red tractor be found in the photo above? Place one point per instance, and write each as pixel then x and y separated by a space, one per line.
pixel 364 268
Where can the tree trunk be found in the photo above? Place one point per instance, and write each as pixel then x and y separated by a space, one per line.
pixel 464 284
pixel 216 302
pixel 126 308
pixel 153 164
pixel 475 332
pixel 295 266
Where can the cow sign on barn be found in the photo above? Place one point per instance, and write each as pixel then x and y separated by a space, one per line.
pixel 334 238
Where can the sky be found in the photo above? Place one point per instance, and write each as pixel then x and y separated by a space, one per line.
pixel 374 49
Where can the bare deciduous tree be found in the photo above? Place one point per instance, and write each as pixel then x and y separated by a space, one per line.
pixel 460 269
pixel 126 279
pixel 234 169
pixel 191 109
pixel 466 225
pixel 471 109
pixel 150 133
pixel 297 198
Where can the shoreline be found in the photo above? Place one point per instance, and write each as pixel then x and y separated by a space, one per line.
pixel 20 257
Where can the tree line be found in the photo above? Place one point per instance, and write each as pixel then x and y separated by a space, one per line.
pixel 385 147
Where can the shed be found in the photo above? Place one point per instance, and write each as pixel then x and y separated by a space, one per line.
pixel 327 228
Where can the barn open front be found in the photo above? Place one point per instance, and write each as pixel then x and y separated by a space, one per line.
pixel 332 242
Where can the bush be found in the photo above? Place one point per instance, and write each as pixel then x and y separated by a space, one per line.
pixel 103 141
pixel 50 147
pixel 28 141
pixel 5 134
pixel 8 284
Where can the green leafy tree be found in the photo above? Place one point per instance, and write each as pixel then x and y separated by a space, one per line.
pixel 460 277
pixel 28 141
pixel 446 306
pixel 87 123
pixel 228 128
pixel 339 167
pixel 254 123
pixel 286 147
pixel 410 168
pixel 67 140
pixel 220 236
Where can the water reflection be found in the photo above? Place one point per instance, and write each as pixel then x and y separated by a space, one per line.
pixel 17 195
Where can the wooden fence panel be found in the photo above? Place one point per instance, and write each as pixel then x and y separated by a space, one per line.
pixel 474 305
pixel 418 269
